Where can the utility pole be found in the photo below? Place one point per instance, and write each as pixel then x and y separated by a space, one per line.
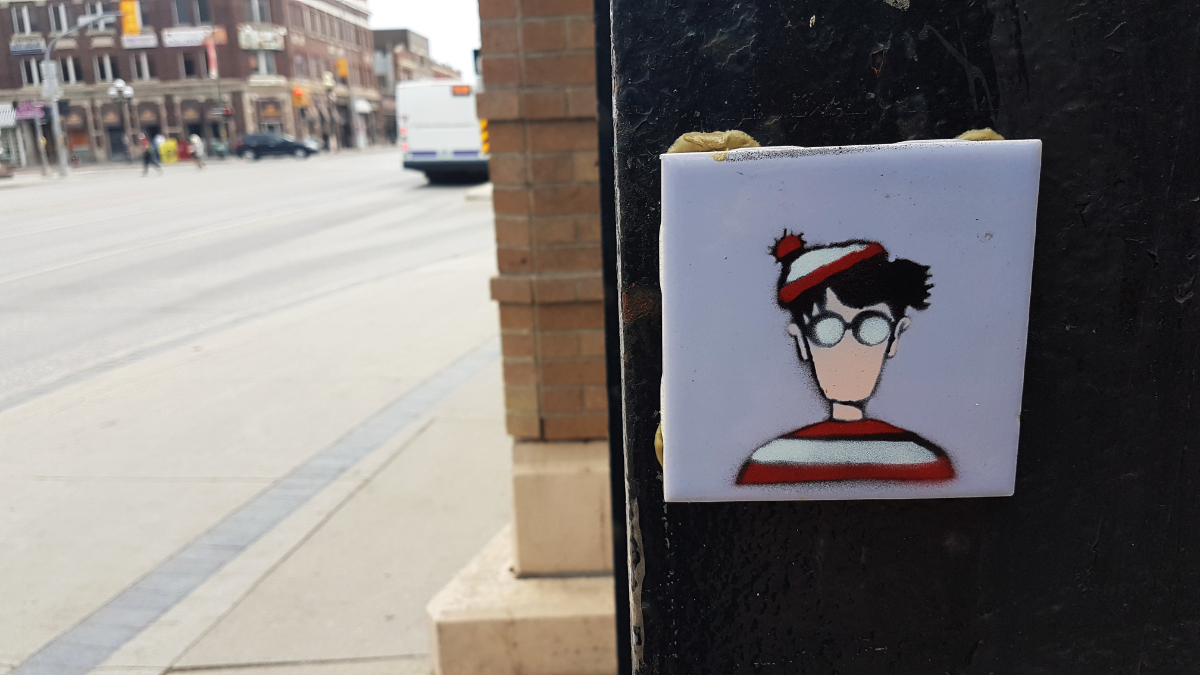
pixel 51 90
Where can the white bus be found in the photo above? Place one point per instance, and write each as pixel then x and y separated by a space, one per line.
pixel 439 132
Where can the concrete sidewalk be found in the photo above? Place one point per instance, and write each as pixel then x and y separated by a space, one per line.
pixel 104 480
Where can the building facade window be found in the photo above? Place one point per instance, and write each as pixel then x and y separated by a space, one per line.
pixel 95 9
pixel 30 72
pixel 59 18
pixel 141 66
pixel 70 70
pixel 258 11
pixel 107 68
pixel 192 12
pixel 308 19
pixel 24 19
pixel 262 63
pixel 294 17
pixel 193 65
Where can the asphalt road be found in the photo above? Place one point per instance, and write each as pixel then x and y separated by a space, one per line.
pixel 107 266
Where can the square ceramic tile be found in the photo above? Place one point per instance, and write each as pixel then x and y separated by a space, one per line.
pixel 846 322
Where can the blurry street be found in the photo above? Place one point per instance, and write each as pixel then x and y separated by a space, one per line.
pixel 250 417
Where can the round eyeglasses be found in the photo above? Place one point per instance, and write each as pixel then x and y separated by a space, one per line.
pixel 869 328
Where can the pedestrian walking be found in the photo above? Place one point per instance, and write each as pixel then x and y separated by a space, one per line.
pixel 196 150
pixel 149 155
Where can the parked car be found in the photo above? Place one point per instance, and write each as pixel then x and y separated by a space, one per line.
pixel 254 146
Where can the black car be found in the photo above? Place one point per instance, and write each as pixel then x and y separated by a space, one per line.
pixel 253 146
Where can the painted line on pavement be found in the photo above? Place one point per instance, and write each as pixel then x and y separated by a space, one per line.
pixel 122 618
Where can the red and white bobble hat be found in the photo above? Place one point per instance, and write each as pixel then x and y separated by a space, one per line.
pixel 816 265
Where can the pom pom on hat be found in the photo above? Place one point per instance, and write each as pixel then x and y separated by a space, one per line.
pixel 788 247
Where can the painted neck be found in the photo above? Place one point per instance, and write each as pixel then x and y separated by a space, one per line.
pixel 846 412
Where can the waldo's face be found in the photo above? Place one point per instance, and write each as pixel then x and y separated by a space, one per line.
pixel 847 346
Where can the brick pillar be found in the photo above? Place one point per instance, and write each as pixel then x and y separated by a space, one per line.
pixel 537 594
pixel 540 103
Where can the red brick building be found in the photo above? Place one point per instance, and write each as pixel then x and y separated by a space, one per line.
pixel 302 67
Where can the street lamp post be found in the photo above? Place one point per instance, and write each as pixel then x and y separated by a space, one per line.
pixel 51 90
pixel 122 94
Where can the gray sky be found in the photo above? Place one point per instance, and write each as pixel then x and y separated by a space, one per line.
pixel 452 26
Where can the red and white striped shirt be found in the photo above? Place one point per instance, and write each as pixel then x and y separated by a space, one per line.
pixel 861 450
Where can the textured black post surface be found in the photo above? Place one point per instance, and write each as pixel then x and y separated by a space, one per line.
pixel 1094 565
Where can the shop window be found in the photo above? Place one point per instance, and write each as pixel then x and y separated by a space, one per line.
pixel 141 65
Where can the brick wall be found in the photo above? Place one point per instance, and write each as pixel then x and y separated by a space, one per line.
pixel 540 102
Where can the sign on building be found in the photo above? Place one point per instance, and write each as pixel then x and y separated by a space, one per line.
pixel 270 38
pixel 143 41
pixel 8 116
pixel 29 110
pixel 25 45
pixel 131 17
pixel 185 36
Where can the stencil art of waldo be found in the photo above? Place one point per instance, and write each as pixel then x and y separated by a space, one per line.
pixel 848 303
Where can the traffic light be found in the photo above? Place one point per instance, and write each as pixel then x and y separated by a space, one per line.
pixel 300 98
pixel 63 106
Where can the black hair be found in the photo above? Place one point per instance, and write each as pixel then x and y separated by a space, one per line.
pixel 898 283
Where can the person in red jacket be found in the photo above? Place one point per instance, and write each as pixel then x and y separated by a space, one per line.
pixel 848 303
